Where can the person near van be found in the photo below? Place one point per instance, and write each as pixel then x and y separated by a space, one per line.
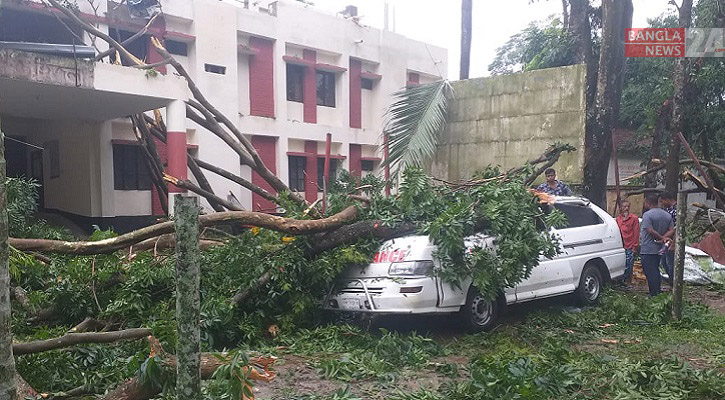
pixel 629 229
pixel 668 202
pixel 655 234
pixel 554 186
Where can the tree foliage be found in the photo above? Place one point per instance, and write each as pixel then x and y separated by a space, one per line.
pixel 649 84
pixel 415 122
pixel 540 45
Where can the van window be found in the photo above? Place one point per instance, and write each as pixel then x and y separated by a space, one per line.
pixel 578 215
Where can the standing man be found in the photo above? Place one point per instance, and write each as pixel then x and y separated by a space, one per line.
pixel 668 202
pixel 629 229
pixel 553 186
pixel 655 235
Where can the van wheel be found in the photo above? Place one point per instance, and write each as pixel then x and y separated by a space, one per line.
pixel 479 313
pixel 590 286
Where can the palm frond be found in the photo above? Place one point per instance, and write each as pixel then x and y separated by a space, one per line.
pixel 415 121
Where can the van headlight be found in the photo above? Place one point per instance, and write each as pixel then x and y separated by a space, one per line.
pixel 411 268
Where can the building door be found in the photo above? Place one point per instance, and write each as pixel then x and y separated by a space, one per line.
pixel 36 172
pixel 16 157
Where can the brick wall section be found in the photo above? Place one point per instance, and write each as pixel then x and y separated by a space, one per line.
pixel 311 171
pixel 261 78
pixel 266 146
pixel 156 208
pixel 309 88
pixel 153 54
pixel 355 94
pixel 355 157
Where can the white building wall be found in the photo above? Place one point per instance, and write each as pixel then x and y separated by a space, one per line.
pixel 216 29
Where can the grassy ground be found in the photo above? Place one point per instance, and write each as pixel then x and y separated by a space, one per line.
pixel 625 348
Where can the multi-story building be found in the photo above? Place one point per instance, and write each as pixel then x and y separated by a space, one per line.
pixel 284 72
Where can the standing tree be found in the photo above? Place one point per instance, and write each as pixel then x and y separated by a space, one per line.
pixel 602 116
pixel 466 36
pixel 580 31
pixel 565 13
pixel 672 170
pixel 7 362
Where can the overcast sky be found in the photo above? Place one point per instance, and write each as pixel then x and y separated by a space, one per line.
pixel 494 21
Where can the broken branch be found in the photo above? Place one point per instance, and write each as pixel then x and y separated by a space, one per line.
pixel 262 220
pixel 238 180
pixel 72 339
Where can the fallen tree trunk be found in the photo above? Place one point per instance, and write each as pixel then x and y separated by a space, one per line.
pixel 72 339
pixel 262 220
pixel 349 234
pixel 134 389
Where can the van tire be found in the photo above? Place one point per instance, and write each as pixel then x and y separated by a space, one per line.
pixel 590 286
pixel 479 314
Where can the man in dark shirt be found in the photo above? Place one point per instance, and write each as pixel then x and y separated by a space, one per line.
pixel 655 235
pixel 553 186
pixel 668 202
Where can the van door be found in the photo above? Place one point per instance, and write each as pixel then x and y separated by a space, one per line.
pixel 450 295
pixel 579 239
pixel 584 237
pixel 549 278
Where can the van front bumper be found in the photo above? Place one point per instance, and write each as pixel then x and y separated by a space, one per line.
pixel 384 296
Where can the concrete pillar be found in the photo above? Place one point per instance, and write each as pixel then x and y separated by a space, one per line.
pixel 176 142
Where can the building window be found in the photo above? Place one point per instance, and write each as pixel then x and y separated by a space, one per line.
pixel 295 79
pixel 297 168
pixel 129 168
pixel 139 47
pixel 178 48
pixel 215 69
pixel 321 171
pixel 325 89
pixel 366 83
pixel 366 165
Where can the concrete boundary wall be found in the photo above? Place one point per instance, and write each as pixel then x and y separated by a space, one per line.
pixel 506 120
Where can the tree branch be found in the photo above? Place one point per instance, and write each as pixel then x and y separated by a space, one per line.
pixel 262 220
pixel 211 197
pixel 710 165
pixel 94 31
pixel 133 37
pixel 72 339
pixel 237 179
pixel 203 182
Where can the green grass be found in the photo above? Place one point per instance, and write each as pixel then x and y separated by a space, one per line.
pixel 628 347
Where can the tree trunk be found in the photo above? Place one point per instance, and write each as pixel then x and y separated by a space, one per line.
pixel 8 388
pixel 188 303
pixel 580 32
pixel 565 13
pixel 603 116
pixel 662 122
pixel 672 171
pixel 466 36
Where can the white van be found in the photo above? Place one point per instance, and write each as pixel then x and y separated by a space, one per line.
pixel 401 278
